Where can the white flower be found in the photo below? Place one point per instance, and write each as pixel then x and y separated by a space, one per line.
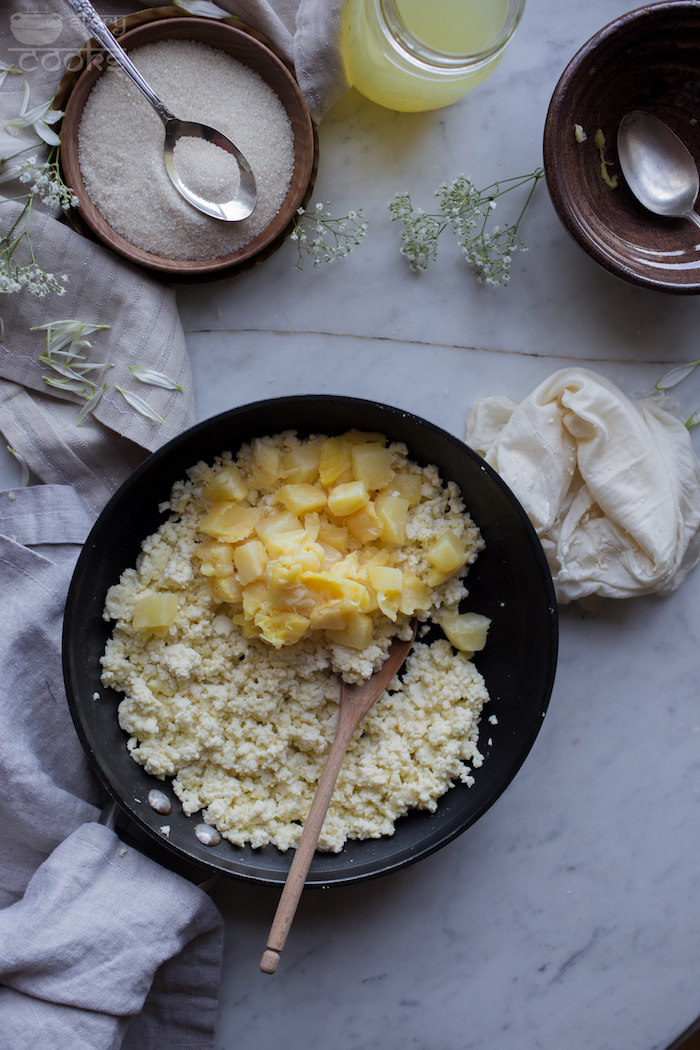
pixel 147 375
pixel 63 333
pixel 38 117
pixel 675 376
pixel 140 405
pixel 4 70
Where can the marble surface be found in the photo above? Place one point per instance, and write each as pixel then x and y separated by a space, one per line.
pixel 566 917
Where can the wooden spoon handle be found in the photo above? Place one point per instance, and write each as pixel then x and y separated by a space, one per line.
pixel 293 887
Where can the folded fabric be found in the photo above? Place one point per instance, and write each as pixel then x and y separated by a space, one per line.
pixel 62 945
pixel 143 973
pixel 611 485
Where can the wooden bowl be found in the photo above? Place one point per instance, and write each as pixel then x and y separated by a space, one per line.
pixel 247 48
pixel 647 59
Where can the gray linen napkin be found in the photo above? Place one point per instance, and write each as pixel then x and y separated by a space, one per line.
pixel 142 972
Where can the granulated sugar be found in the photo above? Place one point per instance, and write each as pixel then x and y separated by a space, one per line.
pixel 121 148
pixel 206 170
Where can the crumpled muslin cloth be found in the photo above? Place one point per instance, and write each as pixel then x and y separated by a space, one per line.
pixel 611 485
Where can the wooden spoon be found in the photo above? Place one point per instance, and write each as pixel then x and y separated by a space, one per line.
pixel 355 702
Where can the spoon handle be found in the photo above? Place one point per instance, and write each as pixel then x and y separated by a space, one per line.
pixel 87 14
pixel 294 885
pixel 355 702
pixel 692 215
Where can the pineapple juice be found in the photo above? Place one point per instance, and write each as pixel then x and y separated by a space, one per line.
pixel 450 46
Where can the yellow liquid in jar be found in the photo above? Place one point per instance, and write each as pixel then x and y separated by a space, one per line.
pixel 459 27
pixel 380 71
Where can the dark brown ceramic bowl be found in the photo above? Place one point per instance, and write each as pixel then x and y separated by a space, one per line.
pixel 243 45
pixel 648 59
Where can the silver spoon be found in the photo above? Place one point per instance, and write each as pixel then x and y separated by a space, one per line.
pixel 658 168
pixel 245 199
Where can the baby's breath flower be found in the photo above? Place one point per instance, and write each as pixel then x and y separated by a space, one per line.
pixel 326 239
pixel 466 210
pixel 44 182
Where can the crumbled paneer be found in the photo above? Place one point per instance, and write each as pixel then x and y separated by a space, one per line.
pixel 244 726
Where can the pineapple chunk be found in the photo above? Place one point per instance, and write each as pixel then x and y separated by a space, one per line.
pixel 333 536
pixel 255 595
pixel 250 560
pixel 227 589
pixel 346 499
pixel 357 633
pixel 334 460
pixel 312 524
pixel 435 577
pixel 249 628
pixel 385 578
pixel 324 585
pixel 466 631
pixel 448 553
pixel 363 437
pixel 281 628
pixel 388 583
pixel 393 514
pixel 415 595
pixel 302 498
pixel 300 466
pixel 364 525
pixel 371 463
pixel 228 484
pixel 330 556
pixel 267 465
pixel 409 486
pixel 329 616
pixel 217 560
pixel 230 521
pixel 156 612
pixel 282 521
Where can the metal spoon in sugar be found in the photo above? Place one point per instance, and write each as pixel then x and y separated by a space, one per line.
pixel 657 166
pixel 196 142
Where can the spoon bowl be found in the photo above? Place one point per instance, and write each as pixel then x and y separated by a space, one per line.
pixel 658 168
pixel 244 199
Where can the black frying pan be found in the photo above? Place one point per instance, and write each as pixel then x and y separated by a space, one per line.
pixel 510 582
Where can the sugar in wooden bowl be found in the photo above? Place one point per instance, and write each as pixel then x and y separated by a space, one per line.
pixel 112 146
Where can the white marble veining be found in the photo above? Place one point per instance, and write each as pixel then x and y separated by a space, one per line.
pixel 566 916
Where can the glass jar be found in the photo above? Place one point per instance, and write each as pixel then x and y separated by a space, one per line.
pixel 412 55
